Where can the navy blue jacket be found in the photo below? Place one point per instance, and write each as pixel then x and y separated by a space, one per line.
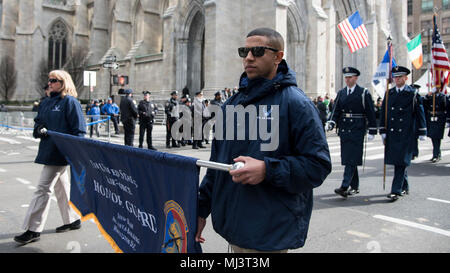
pixel 405 117
pixel 436 122
pixel 274 214
pixel 63 115
pixel 354 114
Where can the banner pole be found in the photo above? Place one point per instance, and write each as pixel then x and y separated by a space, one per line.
pixel 219 166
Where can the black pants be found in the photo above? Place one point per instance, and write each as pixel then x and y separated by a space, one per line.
pixel 129 126
pixel 169 123
pixel 416 147
pixel 115 121
pixel 145 126
pixel 94 127
pixel 436 147
pixel 351 177
pixel 400 181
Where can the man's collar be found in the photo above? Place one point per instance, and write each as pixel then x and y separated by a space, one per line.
pixel 351 88
pixel 401 88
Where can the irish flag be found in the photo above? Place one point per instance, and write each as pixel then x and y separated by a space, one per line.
pixel 415 51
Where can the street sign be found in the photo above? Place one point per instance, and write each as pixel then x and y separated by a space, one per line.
pixel 89 78
pixel 110 59
pixel 111 65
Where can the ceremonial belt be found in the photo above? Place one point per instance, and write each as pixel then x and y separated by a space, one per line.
pixel 350 115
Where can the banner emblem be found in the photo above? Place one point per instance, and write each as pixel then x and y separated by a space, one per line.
pixel 176 229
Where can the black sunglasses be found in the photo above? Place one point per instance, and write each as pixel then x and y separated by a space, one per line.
pixel 257 51
pixel 54 80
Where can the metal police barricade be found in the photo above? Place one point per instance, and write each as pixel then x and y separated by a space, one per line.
pixel 21 122
pixel 101 119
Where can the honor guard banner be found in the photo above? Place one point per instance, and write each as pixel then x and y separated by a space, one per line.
pixel 142 200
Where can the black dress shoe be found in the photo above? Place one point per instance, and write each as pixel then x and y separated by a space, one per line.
pixel 167 146
pixel 404 192
pixel 152 148
pixel 28 237
pixel 342 192
pixel 201 146
pixel 353 191
pixel 72 226
pixel 393 196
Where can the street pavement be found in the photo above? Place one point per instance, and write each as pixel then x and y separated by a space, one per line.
pixel 365 223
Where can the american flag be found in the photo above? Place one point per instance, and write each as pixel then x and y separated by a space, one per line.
pixel 354 32
pixel 439 60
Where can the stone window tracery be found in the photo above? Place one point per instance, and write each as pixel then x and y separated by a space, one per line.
pixel 57 46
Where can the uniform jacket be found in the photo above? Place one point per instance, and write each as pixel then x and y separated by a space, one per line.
pixel 274 214
pixel 63 115
pixel 354 114
pixel 405 117
pixel 110 109
pixel 147 111
pixel 170 106
pixel 94 112
pixel 128 109
pixel 436 122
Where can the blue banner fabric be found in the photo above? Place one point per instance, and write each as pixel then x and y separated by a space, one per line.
pixel 142 200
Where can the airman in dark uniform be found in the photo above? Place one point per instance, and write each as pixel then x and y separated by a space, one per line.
pixel 436 118
pixel 405 116
pixel 128 116
pixel 147 111
pixel 172 115
pixel 354 113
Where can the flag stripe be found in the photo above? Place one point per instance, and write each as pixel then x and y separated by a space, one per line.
pixel 418 62
pixel 415 53
pixel 350 34
pixel 347 39
pixel 414 43
pixel 361 37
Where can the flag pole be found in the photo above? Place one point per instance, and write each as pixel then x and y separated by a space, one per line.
pixel 219 166
pixel 434 93
pixel 389 43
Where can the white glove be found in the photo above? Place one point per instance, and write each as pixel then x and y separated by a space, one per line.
pixel 383 136
pixel 329 125
pixel 370 137
pixel 448 124
pixel 422 138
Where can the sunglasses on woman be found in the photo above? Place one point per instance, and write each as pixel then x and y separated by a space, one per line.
pixel 53 80
pixel 257 51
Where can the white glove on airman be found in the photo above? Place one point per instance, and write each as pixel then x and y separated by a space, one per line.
pixel 329 125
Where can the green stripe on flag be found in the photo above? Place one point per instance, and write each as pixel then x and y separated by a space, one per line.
pixel 414 42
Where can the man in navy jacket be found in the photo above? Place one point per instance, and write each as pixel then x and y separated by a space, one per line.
pixel 267 204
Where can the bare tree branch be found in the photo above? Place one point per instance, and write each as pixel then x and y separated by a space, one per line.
pixel 75 66
pixel 8 77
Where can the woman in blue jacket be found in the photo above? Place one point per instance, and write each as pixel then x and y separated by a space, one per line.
pixel 61 112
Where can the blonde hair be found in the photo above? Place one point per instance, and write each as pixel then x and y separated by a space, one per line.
pixel 67 85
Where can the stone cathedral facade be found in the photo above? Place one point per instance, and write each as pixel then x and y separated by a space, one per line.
pixel 165 45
